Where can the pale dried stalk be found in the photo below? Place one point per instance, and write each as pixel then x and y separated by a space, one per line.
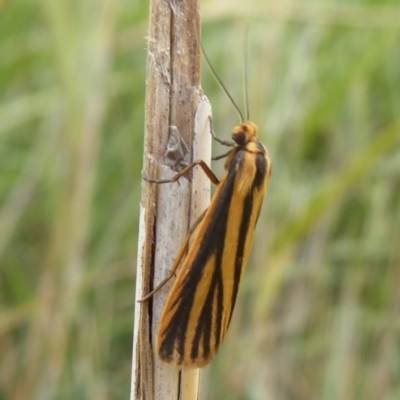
pixel 173 99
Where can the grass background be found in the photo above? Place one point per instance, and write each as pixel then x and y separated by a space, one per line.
pixel 318 312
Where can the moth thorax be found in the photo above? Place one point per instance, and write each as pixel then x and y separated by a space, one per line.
pixel 245 133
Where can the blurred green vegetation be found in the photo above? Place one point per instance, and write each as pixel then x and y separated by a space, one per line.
pixel 318 313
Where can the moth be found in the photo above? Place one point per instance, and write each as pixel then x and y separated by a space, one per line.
pixel 199 307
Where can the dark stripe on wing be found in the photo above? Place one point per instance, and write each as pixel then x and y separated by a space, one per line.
pixel 204 325
pixel 212 243
pixel 259 178
pixel 262 167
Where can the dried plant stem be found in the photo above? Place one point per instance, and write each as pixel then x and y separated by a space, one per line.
pixel 173 99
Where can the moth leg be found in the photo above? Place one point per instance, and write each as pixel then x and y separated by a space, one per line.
pixel 178 260
pixel 201 163
pixel 223 142
pixel 221 156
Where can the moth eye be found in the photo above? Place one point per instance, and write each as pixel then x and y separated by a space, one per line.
pixel 240 137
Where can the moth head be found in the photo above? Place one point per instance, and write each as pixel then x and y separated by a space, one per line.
pixel 244 133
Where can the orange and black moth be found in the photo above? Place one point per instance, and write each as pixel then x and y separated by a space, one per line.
pixel 199 307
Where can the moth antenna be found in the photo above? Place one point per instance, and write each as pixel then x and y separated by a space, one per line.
pixel 221 83
pixel 245 71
